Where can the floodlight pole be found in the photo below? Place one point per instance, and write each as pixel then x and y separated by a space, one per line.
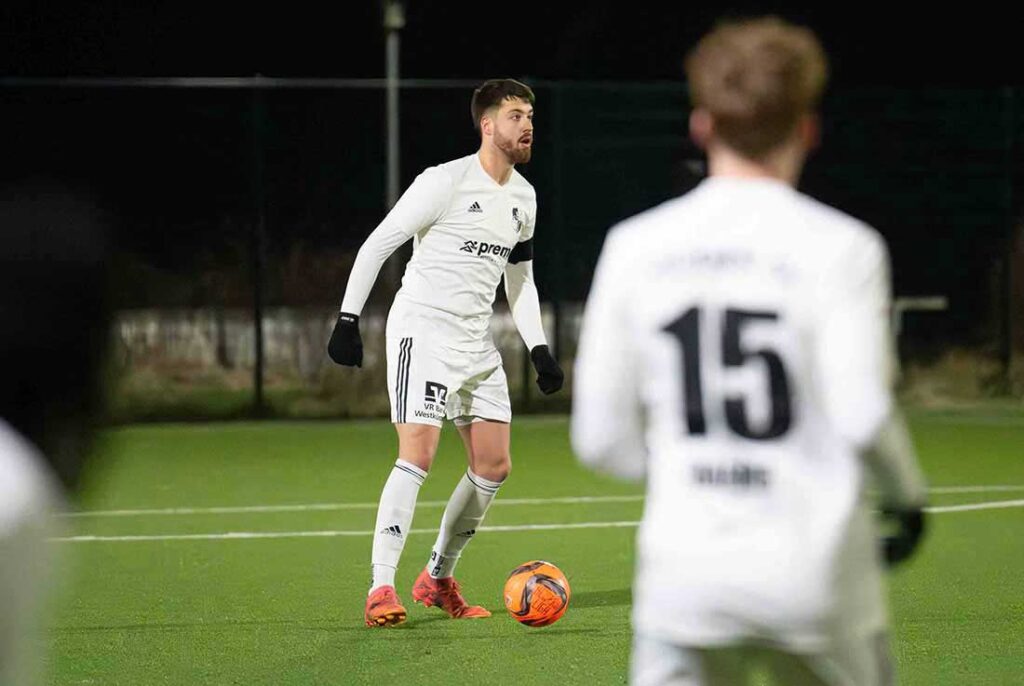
pixel 394 22
pixel 258 239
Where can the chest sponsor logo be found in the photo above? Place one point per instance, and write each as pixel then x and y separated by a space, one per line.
pixel 481 249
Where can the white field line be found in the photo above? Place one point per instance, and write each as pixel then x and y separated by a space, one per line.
pixel 237 535
pixel 973 489
pixel 997 505
pixel 326 507
pixel 331 507
pixel 331 534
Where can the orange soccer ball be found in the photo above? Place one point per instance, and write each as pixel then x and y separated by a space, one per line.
pixel 536 593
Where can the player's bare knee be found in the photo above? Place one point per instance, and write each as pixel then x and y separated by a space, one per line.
pixel 421 461
pixel 420 455
pixel 417 443
pixel 496 469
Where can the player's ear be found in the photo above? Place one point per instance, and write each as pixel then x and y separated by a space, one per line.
pixel 810 131
pixel 486 125
pixel 701 128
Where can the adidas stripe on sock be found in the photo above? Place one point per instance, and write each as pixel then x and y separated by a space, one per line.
pixel 394 519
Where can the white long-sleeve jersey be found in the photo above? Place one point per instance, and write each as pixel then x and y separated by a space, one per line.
pixel 468 232
pixel 735 351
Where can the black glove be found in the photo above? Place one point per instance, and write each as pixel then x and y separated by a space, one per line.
pixel 346 347
pixel 908 525
pixel 549 374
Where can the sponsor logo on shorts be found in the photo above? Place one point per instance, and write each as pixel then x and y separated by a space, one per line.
pixel 436 393
pixel 434 399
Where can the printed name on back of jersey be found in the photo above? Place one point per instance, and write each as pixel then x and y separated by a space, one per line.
pixel 736 475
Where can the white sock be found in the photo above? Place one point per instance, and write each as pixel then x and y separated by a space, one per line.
pixel 383 575
pixel 394 519
pixel 466 509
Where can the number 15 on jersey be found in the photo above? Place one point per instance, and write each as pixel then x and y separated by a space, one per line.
pixel 736 354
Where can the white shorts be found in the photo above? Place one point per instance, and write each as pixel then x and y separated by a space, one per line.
pixel 864 662
pixel 429 382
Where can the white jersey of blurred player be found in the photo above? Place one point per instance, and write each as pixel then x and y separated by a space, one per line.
pixel 28 498
pixel 735 347
pixel 735 350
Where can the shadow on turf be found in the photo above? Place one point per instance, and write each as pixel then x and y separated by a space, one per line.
pixel 581 599
pixel 408 632
pixel 618 596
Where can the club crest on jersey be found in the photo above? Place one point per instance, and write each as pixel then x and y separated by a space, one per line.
pixel 516 221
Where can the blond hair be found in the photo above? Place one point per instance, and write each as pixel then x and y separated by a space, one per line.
pixel 757 78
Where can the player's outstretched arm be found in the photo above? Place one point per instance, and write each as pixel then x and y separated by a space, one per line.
pixel 524 302
pixel 419 207
pixel 607 416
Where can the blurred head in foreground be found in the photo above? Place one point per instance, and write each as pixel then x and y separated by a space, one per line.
pixel 54 328
pixel 755 86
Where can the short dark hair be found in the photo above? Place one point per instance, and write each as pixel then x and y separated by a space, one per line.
pixel 494 92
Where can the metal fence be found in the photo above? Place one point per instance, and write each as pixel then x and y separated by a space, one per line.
pixel 238 202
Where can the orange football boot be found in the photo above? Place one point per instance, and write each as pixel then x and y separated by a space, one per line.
pixel 444 593
pixel 383 608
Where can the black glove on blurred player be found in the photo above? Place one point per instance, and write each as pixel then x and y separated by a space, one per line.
pixel 909 528
pixel 346 347
pixel 549 374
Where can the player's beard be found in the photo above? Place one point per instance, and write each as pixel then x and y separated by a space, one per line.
pixel 511 148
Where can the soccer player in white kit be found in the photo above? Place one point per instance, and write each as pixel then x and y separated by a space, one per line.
pixel 735 351
pixel 472 222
